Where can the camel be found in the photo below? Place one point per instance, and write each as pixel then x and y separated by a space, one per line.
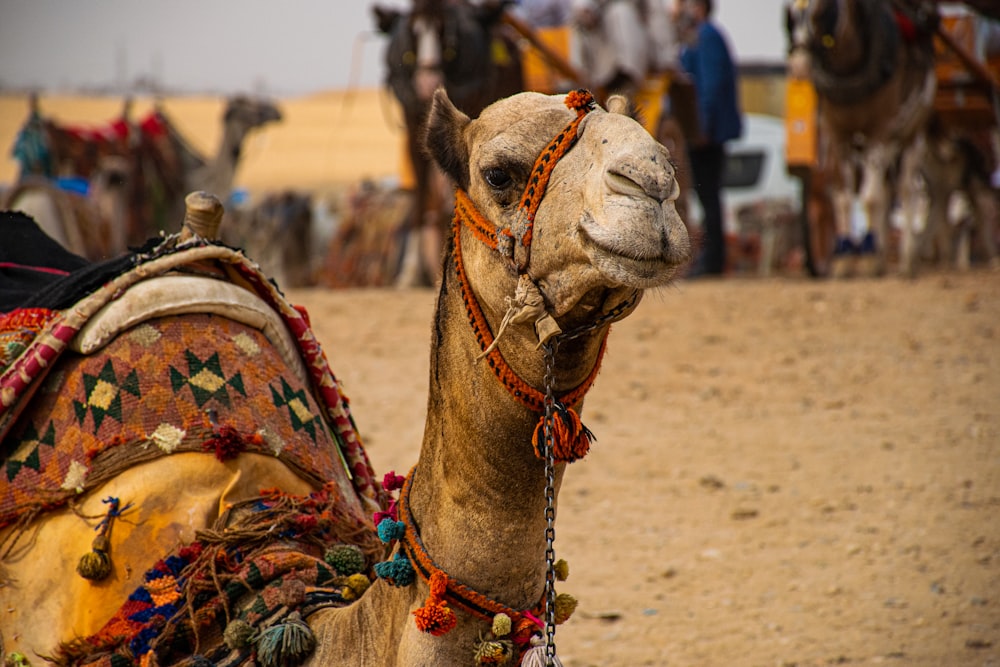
pixel 564 217
pixel 961 202
pixel 160 167
pixel 463 47
pixel 873 69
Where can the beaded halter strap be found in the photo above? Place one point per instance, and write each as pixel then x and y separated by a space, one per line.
pixel 571 437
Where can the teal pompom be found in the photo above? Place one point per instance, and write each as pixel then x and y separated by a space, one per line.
pixel 398 571
pixel 389 530
pixel 285 644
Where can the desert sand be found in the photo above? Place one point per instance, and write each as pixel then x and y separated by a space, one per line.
pixel 787 473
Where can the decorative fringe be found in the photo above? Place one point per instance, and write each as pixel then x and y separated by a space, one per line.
pixel 565 606
pixel 579 100
pixel 397 572
pixel 239 634
pixel 436 617
pixel 285 644
pixel 392 481
pixel 501 625
pixel 95 565
pixel 355 586
pixel 571 439
pixel 226 442
pixel 346 559
pixel 389 530
pixel 535 656
pixel 494 652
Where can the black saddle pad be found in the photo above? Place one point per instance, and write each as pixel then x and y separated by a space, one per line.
pixel 37 272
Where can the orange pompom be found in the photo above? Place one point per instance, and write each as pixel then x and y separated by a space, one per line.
pixel 435 619
pixel 579 100
pixel 439 585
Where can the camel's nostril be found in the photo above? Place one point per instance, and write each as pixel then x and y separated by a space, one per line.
pixel 633 183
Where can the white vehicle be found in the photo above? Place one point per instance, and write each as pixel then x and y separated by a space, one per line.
pixel 755 172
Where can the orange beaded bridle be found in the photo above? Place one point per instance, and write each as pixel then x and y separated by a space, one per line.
pixel 559 435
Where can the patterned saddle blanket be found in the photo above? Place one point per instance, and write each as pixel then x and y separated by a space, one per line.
pixel 185 348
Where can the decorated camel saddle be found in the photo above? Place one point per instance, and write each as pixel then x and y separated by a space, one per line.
pixel 180 469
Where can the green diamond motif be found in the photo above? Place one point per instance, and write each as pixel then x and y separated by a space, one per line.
pixel 302 418
pixel 206 379
pixel 103 395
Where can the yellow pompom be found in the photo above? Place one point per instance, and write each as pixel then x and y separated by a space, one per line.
pixel 501 625
pixel 494 652
pixel 355 586
pixel 561 569
pixel 565 606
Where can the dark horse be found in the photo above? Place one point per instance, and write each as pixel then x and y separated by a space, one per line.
pixel 872 65
pixel 463 48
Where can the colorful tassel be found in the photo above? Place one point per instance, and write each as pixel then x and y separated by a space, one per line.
pixel 561 570
pixel 436 617
pixel 571 439
pixel 239 634
pixel 494 652
pixel 392 481
pixel 535 656
pixel 565 606
pixel 226 442
pixel 397 572
pixel 355 586
pixel 389 530
pixel 285 644
pixel 346 559
pixel 95 565
pixel 501 625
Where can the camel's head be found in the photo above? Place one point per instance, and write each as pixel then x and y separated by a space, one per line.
pixel 606 226
pixel 247 114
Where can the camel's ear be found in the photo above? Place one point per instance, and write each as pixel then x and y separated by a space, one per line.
pixel 618 104
pixel 444 140
pixel 385 19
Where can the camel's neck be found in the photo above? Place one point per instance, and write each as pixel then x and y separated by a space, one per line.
pixel 478 489
pixel 218 175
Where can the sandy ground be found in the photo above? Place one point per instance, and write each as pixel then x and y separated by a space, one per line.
pixel 788 472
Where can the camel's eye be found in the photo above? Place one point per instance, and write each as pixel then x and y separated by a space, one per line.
pixel 497 178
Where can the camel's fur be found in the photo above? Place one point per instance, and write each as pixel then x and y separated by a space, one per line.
pixel 606 230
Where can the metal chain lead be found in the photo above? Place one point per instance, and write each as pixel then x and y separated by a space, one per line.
pixel 551 348
pixel 550 504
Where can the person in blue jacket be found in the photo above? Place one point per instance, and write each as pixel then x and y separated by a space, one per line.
pixel 706 58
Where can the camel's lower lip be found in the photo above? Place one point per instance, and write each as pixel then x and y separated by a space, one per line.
pixel 643 265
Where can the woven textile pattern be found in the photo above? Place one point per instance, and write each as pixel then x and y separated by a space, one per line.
pixel 166 385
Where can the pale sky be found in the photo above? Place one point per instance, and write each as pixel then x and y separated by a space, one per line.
pixel 278 47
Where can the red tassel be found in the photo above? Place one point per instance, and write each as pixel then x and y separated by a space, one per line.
pixel 571 439
pixel 226 442
pixel 435 617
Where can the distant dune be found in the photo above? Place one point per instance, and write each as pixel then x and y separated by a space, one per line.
pixel 326 141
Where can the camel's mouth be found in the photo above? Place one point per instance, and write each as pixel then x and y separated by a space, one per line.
pixel 641 256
